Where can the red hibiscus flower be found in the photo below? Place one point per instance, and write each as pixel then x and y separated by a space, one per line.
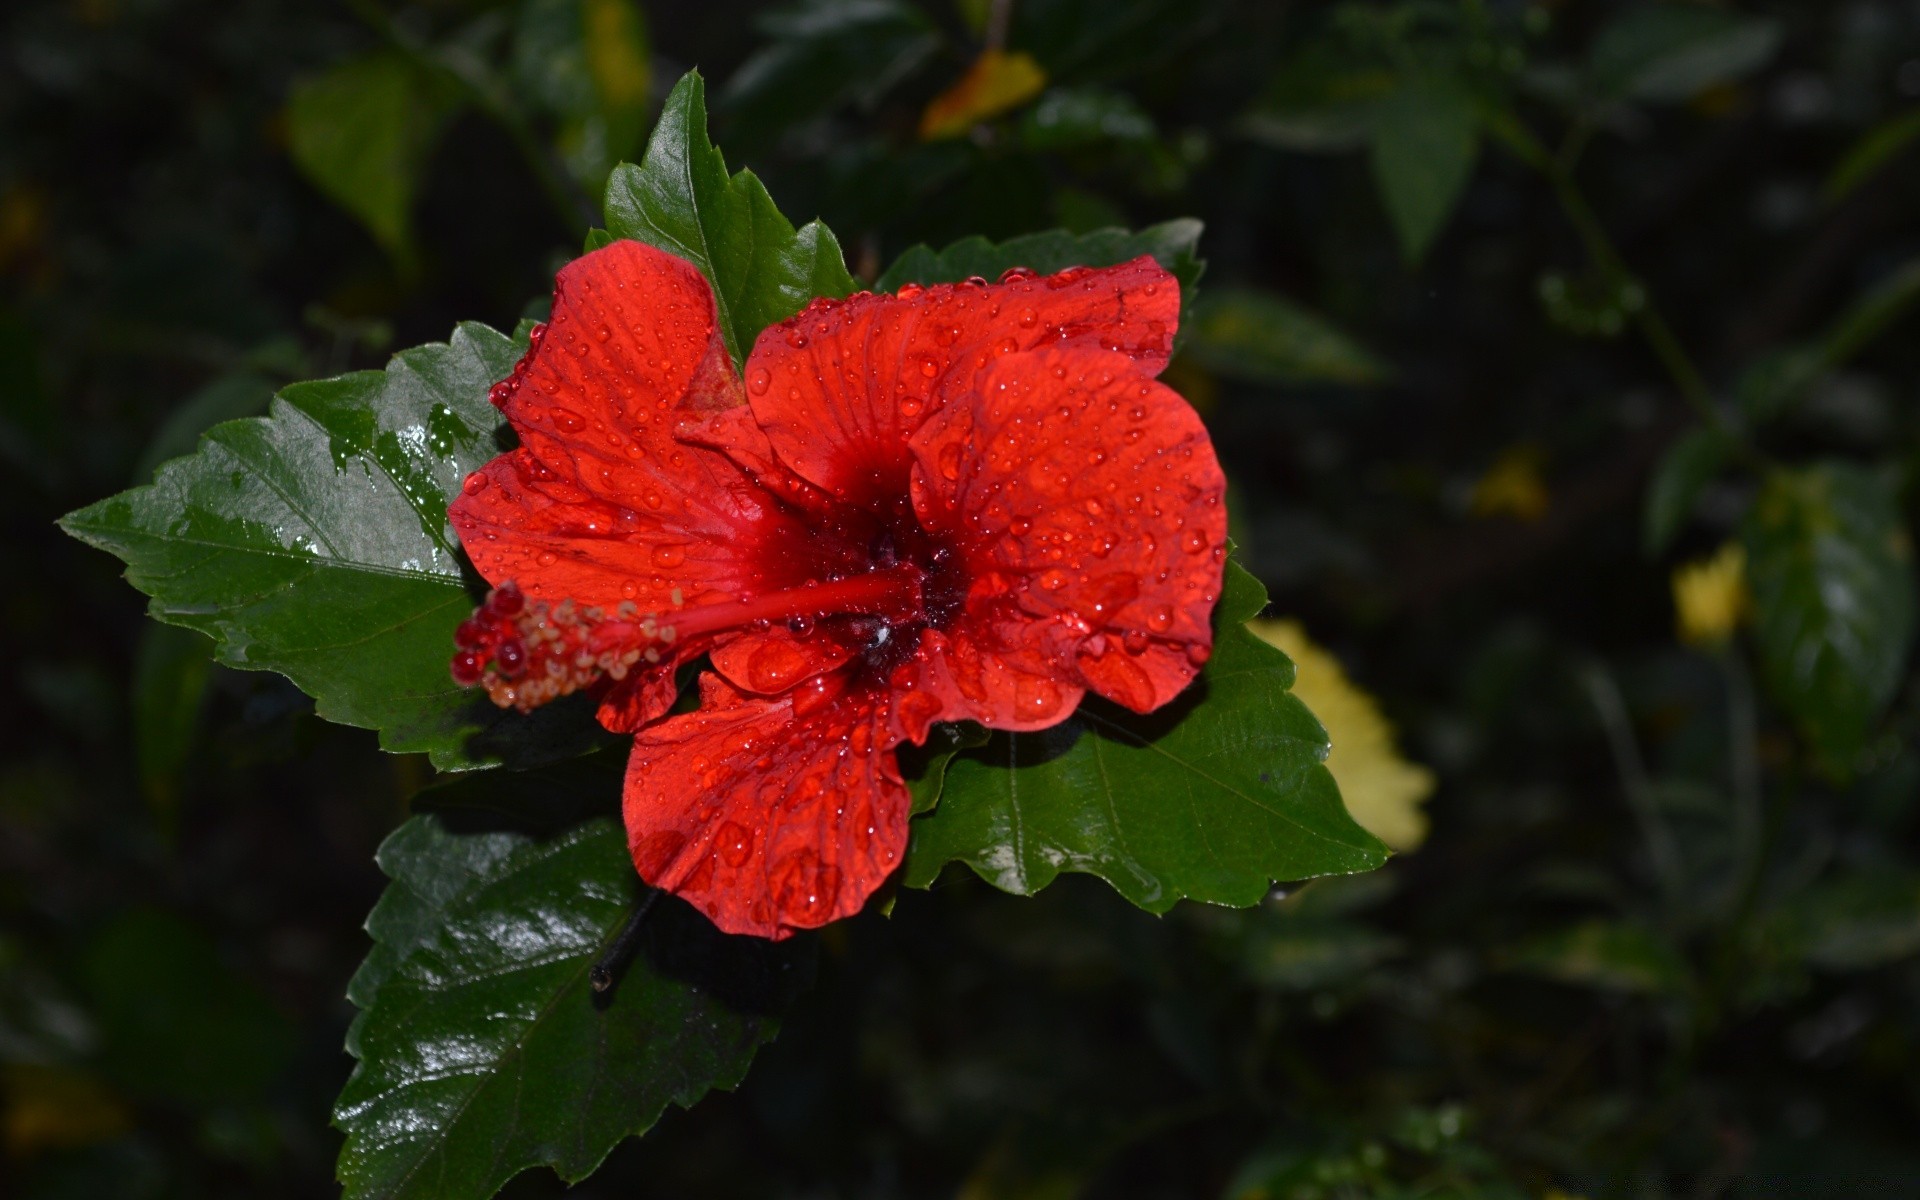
pixel 963 502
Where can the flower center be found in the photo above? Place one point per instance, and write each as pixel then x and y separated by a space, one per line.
pixel 526 654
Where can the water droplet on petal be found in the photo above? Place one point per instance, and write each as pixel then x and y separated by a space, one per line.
pixel 758 378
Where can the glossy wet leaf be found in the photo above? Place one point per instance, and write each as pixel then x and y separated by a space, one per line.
pixel 1213 798
pixel 681 199
pixel 314 542
pixel 484 1050
pixel 1831 569
pixel 1174 244
pixel 1425 140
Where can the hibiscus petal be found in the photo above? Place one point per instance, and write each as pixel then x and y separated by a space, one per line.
pixel 1089 500
pixel 601 504
pixel 766 822
pixel 774 661
pixel 840 387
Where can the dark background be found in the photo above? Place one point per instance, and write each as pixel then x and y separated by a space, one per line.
pixel 1523 1004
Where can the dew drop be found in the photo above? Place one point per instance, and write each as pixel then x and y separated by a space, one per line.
pixel 758 380
pixel 1194 540
pixel 667 556
pixel 1160 619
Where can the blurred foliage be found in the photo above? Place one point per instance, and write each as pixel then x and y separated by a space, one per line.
pixel 1648 267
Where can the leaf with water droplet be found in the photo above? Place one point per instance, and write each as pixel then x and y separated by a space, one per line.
pixel 485 1049
pixel 313 542
pixel 1213 797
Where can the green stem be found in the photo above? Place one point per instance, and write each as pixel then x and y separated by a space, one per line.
pixel 1646 316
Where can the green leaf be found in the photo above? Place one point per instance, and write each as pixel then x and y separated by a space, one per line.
pixel 483 1048
pixel 1855 922
pixel 314 542
pixel 1688 466
pixel 1174 244
pixel 1213 797
pixel 1319 101
pixel 1673 52
pixel 1831 568
pixel 1068 118
pixel 1869 316
pixel 819 55
pixel 361 132
pixel 170 673
pixel 588 63
pixel 1608 955
pixel 1425 140
pixel 1266 338
pixel 681 199
pixel 228 398
pixel 176 1020
pixel 925 767
pixel 1865 158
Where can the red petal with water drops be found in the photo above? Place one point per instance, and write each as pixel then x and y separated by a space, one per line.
pixel 839 388
pixel 1089 501
pixel 766 821
pixel 601 503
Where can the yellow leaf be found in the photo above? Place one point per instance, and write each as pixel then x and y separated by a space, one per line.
pixel 997 82
pixel 1513 486
pixel 1710 597
pixel 1383 791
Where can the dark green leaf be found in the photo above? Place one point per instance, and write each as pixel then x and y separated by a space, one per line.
pixel 178 1021
pixel 361 133
pixel 587 63
pixel 1066 118
pixel 1870 315
pixel 1213 797
pixel 1173 244
pixel 314 542
pixel 169 686
pixel 1266 338
pixel 1425 140
pixel 681 199
pixel 1689 465
pixel 925 767
pixel 1854 922
pixel 1672 52
pixel 1319 101
pixel 1875 149
pixel 1608 955
pixel 484 1050
pixel 228 398
pixel 819 55
pixel 1831 568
